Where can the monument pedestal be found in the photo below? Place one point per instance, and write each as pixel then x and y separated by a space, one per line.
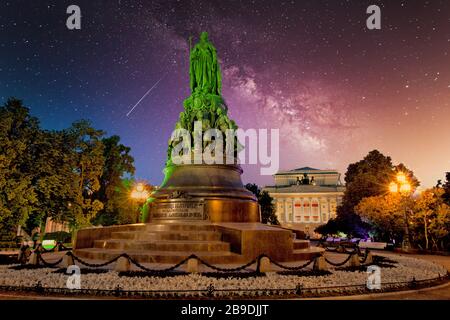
pixel 171 242
pixel 213 193
pixel 199 209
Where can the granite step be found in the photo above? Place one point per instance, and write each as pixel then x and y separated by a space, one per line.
pixel 147 256
pixel 162 245
pixel 173 226
pixel 301 244
pixel 168 235
pixel 307 254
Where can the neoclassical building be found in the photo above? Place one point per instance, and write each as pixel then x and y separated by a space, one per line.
pixel 306 197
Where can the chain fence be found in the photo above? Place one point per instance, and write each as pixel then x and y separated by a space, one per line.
pixel 299 290
pixel 256 261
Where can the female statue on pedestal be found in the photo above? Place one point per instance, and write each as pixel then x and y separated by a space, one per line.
pixel 204 68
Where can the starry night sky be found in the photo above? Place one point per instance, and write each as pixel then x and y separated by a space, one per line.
pixel 335 89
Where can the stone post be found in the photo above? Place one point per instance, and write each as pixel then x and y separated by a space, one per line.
pixel 320 264
pixel 122 264
pixel 369 259
pixel 67 261
pixel 192 265
pixel 264 265
pixel 33 259
pixel 354 261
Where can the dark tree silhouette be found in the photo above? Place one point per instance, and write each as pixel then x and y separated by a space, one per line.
pixel 268 215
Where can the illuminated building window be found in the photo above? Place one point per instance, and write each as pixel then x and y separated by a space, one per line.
pixel 306 208
pixel 297 211
pixel 315 208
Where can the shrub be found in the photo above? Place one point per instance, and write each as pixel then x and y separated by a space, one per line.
pixel 59 236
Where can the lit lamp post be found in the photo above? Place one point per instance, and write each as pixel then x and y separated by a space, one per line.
pixel 140 195
pixel 402 186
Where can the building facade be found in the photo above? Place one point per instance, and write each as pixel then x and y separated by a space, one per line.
pixel 306 197
pixel 53 226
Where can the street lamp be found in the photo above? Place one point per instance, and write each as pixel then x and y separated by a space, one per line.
pixel 402 186
pixel 140 195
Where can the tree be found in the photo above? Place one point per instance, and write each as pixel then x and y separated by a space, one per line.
pixel 69 175
pixel 329 228
pixel 114 190
pixel 253 188
pixel 18 132
pixel 268 215
pixel 385 214
pixel 446 187
pixel 87 161
pixel 431 219
pixel 53 178
pixel 367 178
pixel 410 177
pixel 125 209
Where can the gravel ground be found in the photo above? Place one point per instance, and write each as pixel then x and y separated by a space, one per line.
pixel 405 269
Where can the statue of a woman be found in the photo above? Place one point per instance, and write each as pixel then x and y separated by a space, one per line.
pixel 204 68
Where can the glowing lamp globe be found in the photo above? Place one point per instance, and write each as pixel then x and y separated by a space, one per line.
pixel 393 187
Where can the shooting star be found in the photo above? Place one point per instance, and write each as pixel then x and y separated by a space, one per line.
pixel 146 94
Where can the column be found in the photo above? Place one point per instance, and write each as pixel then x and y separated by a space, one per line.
pixel 290 209
pixel 279 213
pixel 302 202
pixel 286 215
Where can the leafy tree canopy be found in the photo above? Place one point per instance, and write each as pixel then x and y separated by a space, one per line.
pixel 69 175
pixel 446 187
pixel 18 133
pixel 265 201
pixel 366 178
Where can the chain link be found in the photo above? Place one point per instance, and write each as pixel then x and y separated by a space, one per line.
pixel 294 268
pixel 200 260
pixel 340 263
pixel 95 265
pixel 366 254
pixel 48 264
pixel 137 264
pixel 227 269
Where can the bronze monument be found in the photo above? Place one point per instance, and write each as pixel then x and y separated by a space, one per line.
pixel 212 192
pixel 199 208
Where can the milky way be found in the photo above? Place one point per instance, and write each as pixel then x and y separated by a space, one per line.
pixel 312 69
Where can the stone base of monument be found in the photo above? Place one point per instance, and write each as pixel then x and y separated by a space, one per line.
pixel 199 209
pixel 171 242
pixel 203 192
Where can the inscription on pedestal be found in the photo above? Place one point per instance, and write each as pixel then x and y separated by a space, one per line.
pixel 179 209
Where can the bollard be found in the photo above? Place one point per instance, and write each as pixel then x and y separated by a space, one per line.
pixel 320 264
pixel 122 264
pixel 21 256
pixel 354 261
pixel 33 259
pixel 67 261
pixel 192 265
pixel 369 259
pixel 264 265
